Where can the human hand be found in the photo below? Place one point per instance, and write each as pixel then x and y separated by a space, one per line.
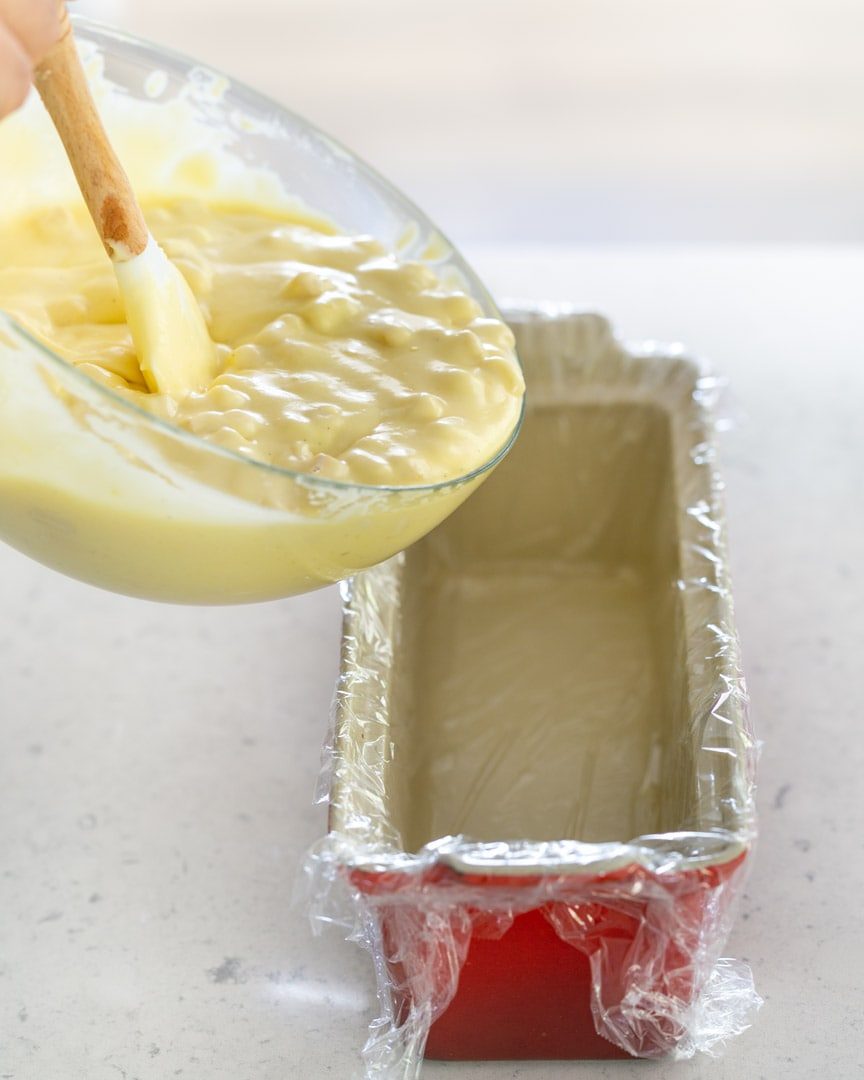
pixel 28 29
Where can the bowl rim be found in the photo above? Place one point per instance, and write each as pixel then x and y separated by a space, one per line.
pixel 100 34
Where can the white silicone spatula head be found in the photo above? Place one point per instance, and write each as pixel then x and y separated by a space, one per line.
pixel 174 350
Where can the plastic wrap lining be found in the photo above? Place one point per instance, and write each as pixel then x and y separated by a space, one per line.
pixel 541 768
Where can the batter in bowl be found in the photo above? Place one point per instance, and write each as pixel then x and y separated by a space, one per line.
pixel 359 397
pixel 334 358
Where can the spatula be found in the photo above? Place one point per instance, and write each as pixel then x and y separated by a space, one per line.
pixel 174 351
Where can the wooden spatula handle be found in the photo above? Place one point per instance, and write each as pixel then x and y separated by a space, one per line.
pixel 62 85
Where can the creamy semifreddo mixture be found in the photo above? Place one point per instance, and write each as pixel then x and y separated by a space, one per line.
pixel 333 357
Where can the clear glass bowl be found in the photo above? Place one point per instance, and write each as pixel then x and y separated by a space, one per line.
pixel 95 487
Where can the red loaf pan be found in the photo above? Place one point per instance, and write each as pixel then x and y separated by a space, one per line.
pixel 542 770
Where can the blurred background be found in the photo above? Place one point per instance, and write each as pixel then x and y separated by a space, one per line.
pixel 566 121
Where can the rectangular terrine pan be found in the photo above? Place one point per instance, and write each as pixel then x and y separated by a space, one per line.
pixel 541 769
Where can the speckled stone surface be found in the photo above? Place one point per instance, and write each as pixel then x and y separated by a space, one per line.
pixel 158 763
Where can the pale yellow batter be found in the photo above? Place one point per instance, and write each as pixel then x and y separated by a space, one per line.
pixel 334 358
pixel 352 393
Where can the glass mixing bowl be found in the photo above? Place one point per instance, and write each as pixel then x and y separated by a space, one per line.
pixel 99 489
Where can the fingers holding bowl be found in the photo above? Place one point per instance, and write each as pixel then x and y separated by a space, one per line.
pixel 28 29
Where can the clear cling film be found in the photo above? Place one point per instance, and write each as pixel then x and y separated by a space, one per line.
pixel 541 769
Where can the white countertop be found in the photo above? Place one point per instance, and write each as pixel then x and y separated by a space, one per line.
pixel 159 762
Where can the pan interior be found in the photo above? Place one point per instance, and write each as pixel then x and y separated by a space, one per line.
pixel 540 687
